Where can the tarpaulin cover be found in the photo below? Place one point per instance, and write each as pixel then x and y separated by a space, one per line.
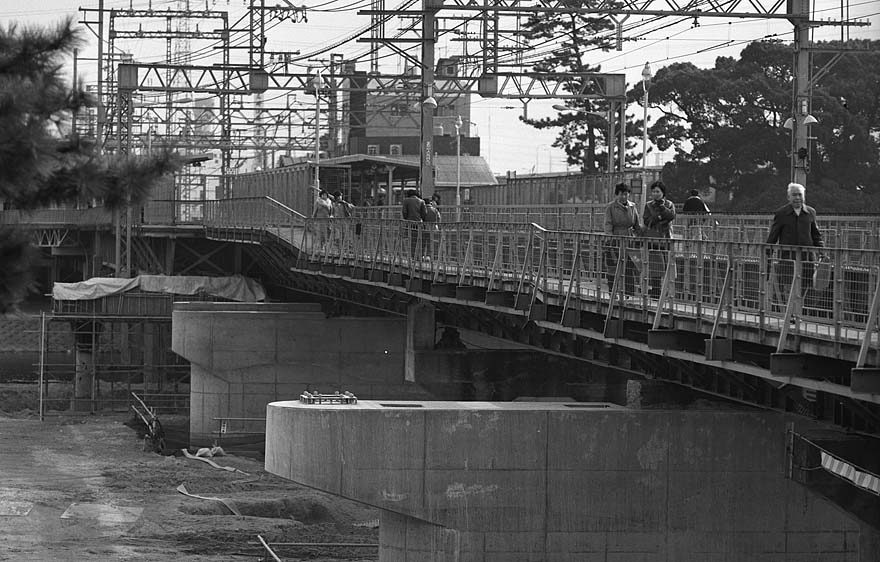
pixel 236 288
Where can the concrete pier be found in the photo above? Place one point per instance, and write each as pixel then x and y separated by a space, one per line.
pixel 492 482
pixel 245 355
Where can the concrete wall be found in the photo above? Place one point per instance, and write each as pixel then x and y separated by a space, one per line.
pixel 494 482
pixel 245 356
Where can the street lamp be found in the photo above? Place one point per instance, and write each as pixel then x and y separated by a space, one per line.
pixel 646 81
pixel 317 132
pixel 458 124
pixel 800 151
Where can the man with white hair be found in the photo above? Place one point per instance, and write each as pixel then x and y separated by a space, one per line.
pixel 795 224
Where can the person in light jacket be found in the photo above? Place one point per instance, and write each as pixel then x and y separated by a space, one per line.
pixel 621 219
pixel 323 210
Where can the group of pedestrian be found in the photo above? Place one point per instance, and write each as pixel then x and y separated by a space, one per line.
pixel 622 219
pixel 425 212
pixel 794 224
pixel 329 206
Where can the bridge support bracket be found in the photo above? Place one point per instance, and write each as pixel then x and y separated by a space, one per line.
pixel 662 339
pixel 499 298
pixel 522 301
pixel 396 279
pixel 378 275
pixel 719 349
pixel 470 293
pixel 416 285
pixel 865 379
pixel 613 328
pixel 793 365
pixel 328 268
pixel 343 270
pixel 571 318
pixel 442 290
pixel 538 312
pixel 358 272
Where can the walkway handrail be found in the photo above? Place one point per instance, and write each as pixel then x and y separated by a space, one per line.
pixel 41 218
pixel 845 231
pixel 849 231
pixel 260 213
pixel 768 288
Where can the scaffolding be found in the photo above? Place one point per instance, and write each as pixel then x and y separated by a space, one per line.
pixel 96 355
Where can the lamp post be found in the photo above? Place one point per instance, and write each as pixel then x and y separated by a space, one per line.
pixel 458 124
pixel 646 81
pixel 317 133
pixel 800 144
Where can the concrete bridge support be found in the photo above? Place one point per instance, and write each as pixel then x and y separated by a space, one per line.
pixel 245 355
pixel 493 482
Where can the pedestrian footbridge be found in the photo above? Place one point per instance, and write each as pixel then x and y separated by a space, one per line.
pixel 714 309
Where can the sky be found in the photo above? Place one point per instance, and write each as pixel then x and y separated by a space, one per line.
pixel 507 143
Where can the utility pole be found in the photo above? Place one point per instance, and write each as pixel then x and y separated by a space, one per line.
pixel 800 154
pixel 428 102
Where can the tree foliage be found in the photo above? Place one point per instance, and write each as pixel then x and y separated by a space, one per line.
pixel 582 130
pixel 42 160
pixel 726 126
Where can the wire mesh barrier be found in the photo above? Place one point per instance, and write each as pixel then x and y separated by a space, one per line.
pixel 269 214
pixel 262 214
pixel 769 287
pixel 839 231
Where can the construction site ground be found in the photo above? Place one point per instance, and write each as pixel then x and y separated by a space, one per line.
pixel 84 487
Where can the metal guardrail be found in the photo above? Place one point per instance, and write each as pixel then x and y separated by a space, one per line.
pixel 720 283
pixel 95 216
pixel 844 231
pixel 716 269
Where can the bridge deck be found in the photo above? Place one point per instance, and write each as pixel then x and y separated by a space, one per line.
pixel 733 288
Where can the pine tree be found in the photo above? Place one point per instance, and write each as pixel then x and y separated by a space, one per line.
pixel 572 38
pixel 42 160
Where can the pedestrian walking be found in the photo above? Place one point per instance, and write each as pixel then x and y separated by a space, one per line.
pixel 621 219
pixel 323 210
pixel 794 224
pixel 697 228
pixel 341 207
pixel 658 216
pixel 695 205
pixel 432 227
pixel 414 211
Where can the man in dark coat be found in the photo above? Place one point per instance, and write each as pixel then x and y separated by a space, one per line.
pixel 414 211
pixel 694 204
pixel 412 208
pixel 697 228
pixel 795 224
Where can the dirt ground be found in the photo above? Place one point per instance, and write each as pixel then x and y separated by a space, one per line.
pixel 83 487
